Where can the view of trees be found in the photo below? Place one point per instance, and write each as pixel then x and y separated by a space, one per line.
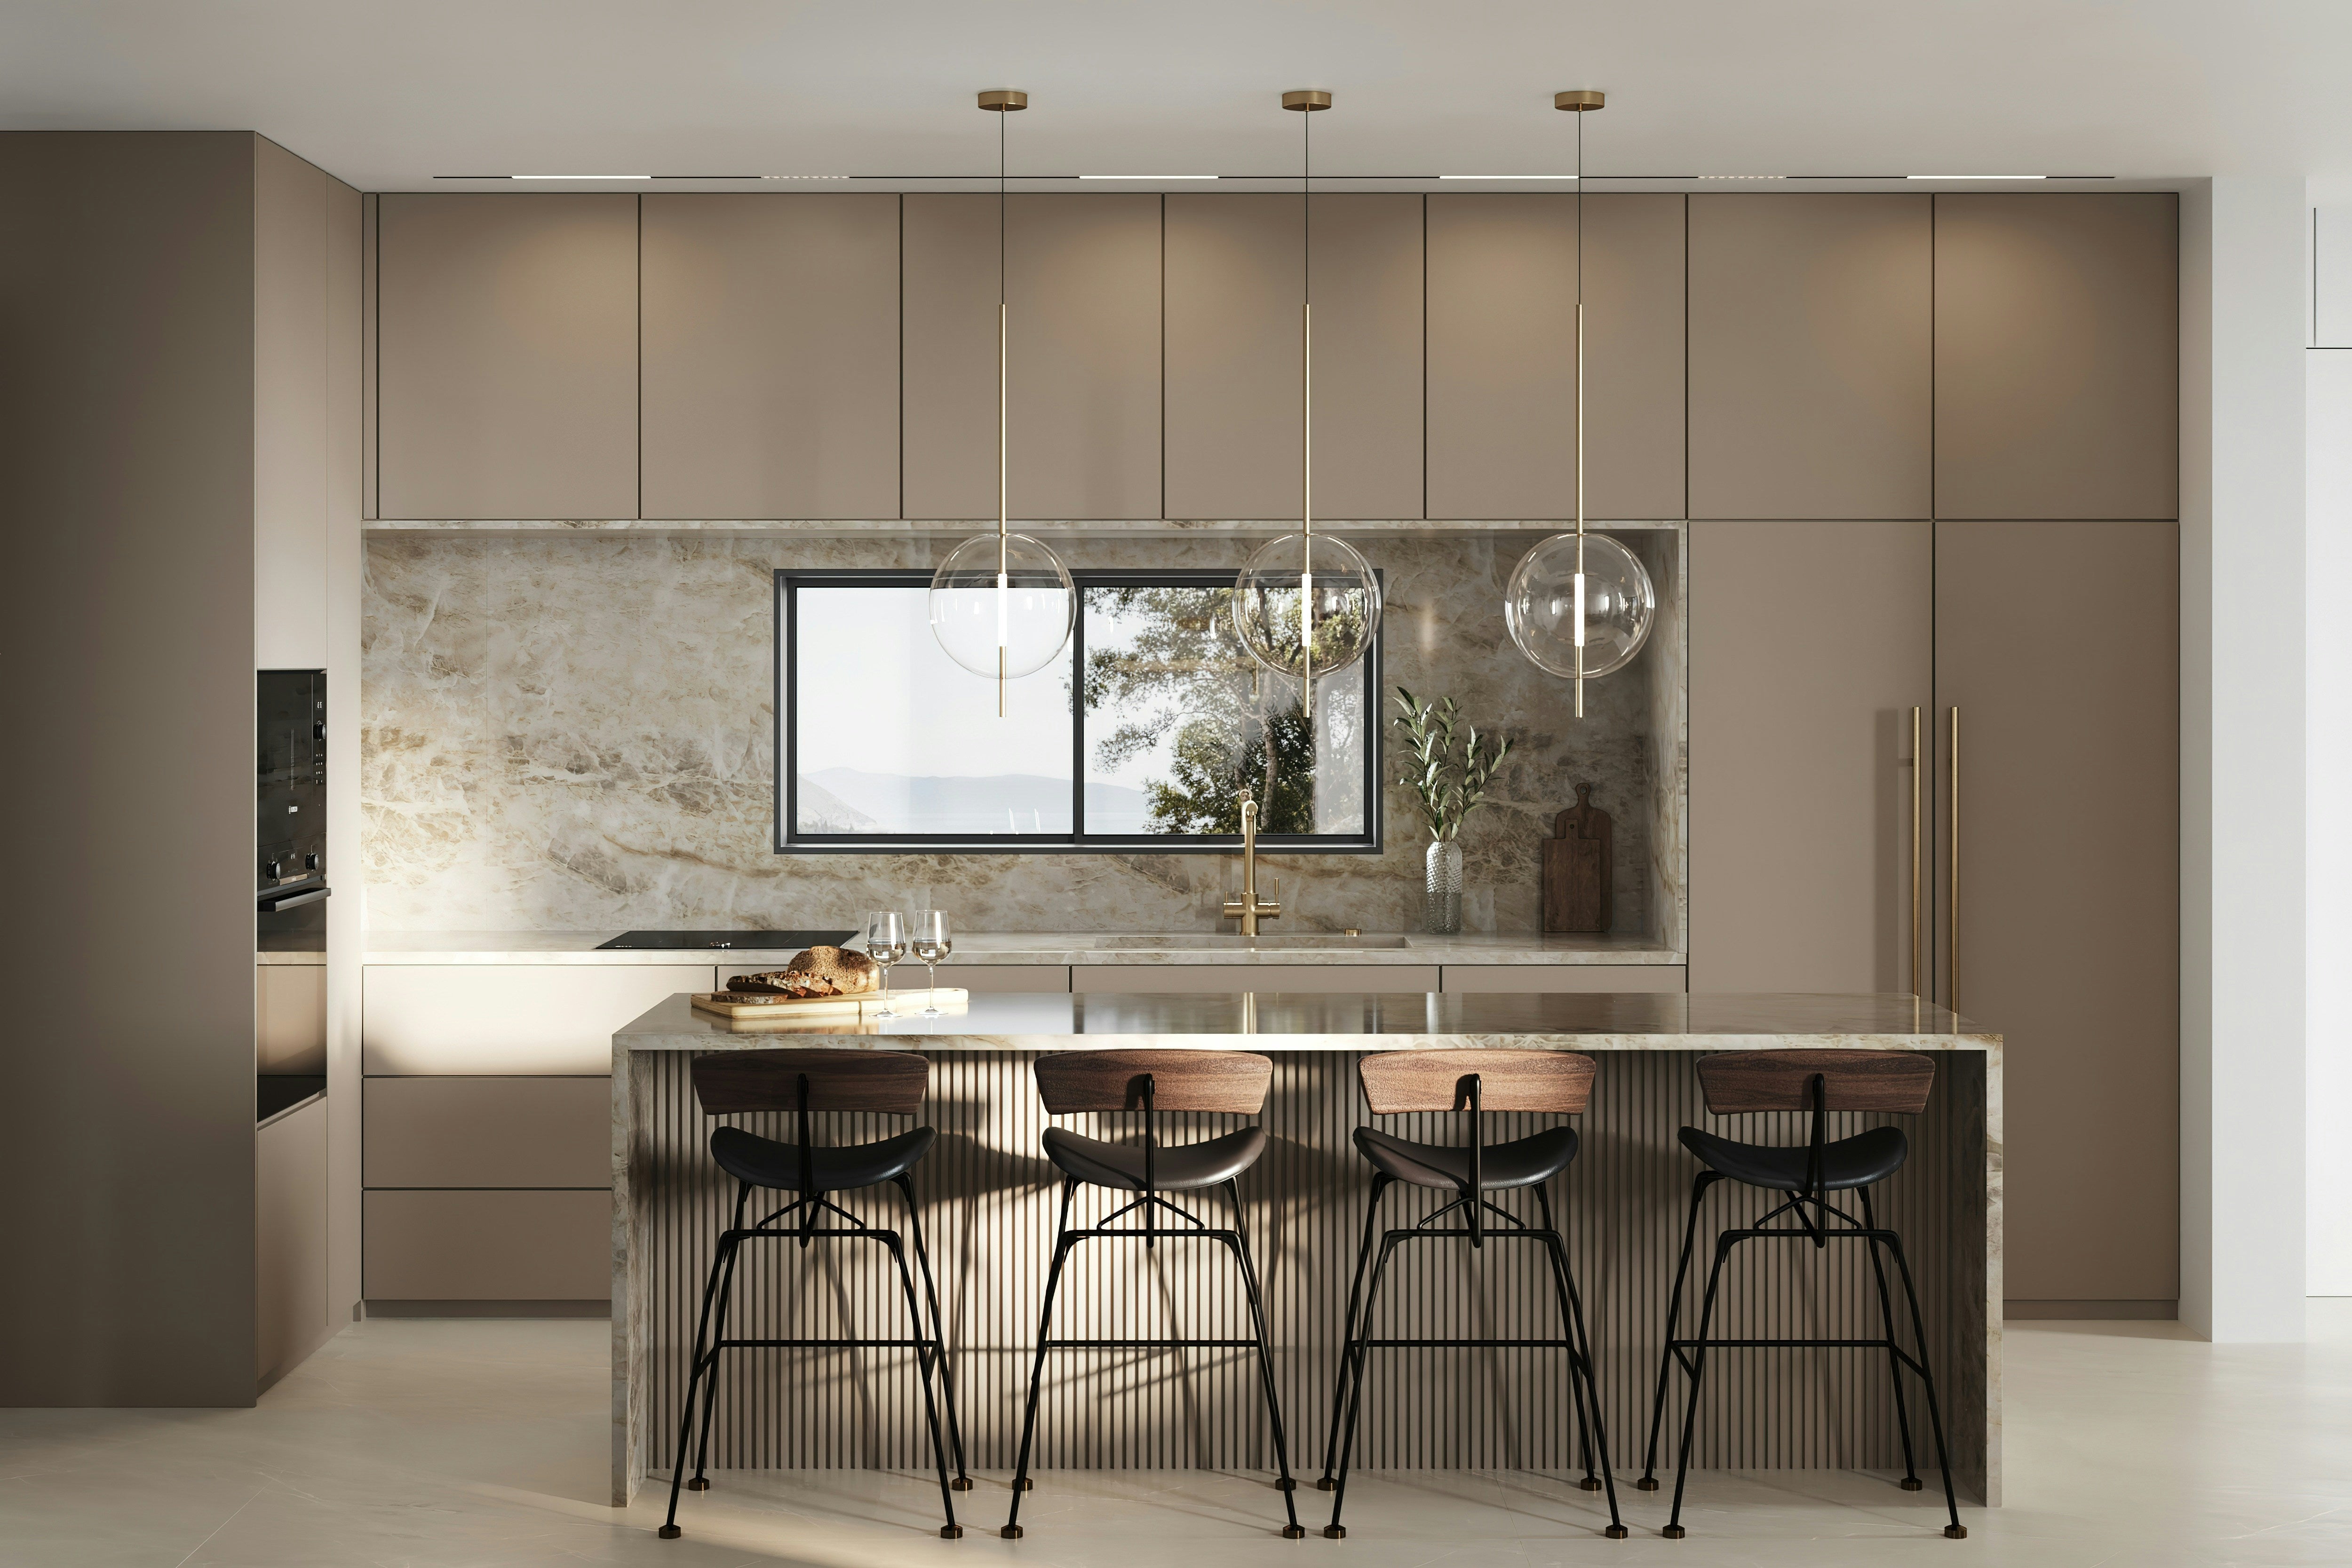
pixel 1166 660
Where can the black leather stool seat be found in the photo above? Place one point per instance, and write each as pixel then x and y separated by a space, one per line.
pixel 1177 1169
pixel 1523 1163
pixel 764 1162
pixel 1863 1160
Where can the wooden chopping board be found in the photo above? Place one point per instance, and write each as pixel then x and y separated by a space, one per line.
pixel 719 1005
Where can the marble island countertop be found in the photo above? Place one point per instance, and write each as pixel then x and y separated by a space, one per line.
pixel 1269 1020
pixel 1319 948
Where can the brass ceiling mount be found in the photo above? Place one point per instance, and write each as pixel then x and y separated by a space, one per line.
pixel 1306 99
pixel 1580 101
pixel 1004 99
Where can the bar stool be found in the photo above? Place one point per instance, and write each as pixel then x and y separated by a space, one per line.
pixel 804 1082
pixel 1399 1083
pixel 1229 1082
pixel 1819 1082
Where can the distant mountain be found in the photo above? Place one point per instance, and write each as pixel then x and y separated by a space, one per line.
pixel 821 811
pixel 997 803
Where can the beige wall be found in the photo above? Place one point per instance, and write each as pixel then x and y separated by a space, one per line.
pixel 127 471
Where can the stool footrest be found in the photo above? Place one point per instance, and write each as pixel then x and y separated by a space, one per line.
pixel 1150 1344
pixel 1470 1344
pixel 825 1344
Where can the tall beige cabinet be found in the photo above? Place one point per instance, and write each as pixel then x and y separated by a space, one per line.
pixel 2038 604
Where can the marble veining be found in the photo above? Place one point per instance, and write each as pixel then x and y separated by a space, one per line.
pixel 1048 947
pixel 571 728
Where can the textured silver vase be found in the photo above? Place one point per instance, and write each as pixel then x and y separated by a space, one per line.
pixel 1441 911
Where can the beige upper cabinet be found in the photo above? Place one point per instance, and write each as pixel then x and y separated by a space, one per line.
pixel 1501 380
pixel 1234 385
pixel 2057 356
pixel 1083 288
pixel 770 356
pixel 291 232
pixel 1800 783
pixel 1811 374
pixel 507 356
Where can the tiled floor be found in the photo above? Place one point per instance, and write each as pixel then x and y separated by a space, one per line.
pixel 405 1444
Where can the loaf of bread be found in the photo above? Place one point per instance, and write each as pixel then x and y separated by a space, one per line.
pixel 817 972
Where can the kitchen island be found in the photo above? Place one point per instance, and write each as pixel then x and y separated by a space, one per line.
pixel 987 1195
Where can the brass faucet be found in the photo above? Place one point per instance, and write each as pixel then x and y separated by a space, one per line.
pixel 1249 909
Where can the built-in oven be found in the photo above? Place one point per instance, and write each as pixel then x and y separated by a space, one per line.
pixel 290 811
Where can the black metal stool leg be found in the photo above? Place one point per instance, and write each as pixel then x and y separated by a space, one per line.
pixel 951 1530
pixel 1062 1242
pixel 1649 1481
pixel 1358 1353
pixel 1591 1480
pixel 1291 1529
pixel 701 1482
pixel 1347 1333
pixel 669 1530
pixel 1956 1530
pixel 1580 1380
pixel 1674 1530
pixel 1911 1481
pixel 963 1482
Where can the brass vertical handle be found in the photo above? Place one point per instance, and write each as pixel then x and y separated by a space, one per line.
pixel 1952 876
pixel 1918 859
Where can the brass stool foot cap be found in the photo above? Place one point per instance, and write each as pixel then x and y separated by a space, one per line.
pixel 1293 1533
pixel 1023 1483
pixel 1672 1532
pixel 950 1532
pixel 669 1532
pixel 1327 1484
pixel 1010 1533
pixel 1591 1483
pixel 698 1483
pixel 1335 1532
pixel 962 1483
pixel 1616 1533
pixel 1956 1533
pixel 1913 1483
pixel 1647 1483
pixel 1286 1483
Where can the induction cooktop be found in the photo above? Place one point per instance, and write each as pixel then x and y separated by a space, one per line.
pixel 685 941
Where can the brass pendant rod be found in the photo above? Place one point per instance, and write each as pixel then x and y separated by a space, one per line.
pixel 1580 415
pixel 1307 417
pixel 1003 547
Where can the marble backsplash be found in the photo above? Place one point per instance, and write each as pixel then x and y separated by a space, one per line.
pixel 575 731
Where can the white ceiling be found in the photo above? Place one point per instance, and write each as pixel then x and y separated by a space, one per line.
pixel 388 93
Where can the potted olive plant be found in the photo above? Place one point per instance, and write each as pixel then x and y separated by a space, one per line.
pixel 1449 782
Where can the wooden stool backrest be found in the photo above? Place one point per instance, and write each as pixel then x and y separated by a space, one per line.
pixel 1232 1081
pixel 890 1082
pixel 1895 1081
pixel 1397 1082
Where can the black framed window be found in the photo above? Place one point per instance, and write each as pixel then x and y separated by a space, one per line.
pixel 1143 736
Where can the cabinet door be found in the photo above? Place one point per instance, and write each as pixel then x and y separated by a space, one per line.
pixel 1234 282
pixel 290 232
pixel 770 356
pixel 1810 644
pixel 1082 278
pixel 2058 642
pixel 1231 979
pixel 488 1246
pixel 1811 373
pixel 508 1018
pixel 488 1132
pixel 1366 257
pixel 1502 357
pixel 2057 356
pixel 507 356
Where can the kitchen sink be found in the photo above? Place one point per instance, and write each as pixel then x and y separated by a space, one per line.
pixel 1191 941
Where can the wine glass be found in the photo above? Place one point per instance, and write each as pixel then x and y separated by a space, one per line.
pixel 933 942
pixel 885 944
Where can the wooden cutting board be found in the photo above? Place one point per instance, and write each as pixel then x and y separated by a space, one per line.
pixel 902 1002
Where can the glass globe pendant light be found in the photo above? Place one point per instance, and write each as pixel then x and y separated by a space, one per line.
pixel 1579 605
pixel 1303 606
pixel 1002 604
